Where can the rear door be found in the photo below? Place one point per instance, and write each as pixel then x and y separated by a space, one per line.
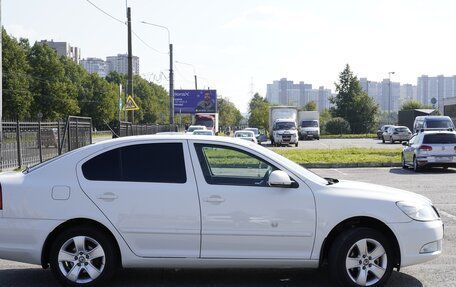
pixel 147 190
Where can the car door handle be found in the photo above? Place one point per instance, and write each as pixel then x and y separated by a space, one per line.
pixel 214 199
pixel 108 196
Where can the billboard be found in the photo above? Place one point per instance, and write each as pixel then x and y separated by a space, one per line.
pixel 195 101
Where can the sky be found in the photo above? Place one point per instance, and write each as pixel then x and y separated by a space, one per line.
pixel 239 46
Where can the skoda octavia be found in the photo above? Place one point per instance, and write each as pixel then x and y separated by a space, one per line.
pixel 206 202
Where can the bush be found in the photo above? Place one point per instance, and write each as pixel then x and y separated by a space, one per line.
pixel 337 126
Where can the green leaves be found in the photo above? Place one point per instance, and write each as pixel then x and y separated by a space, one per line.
pixel 352 104
pixel 259 112
pixel 229 115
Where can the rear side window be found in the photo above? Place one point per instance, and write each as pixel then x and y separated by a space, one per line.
pixel 401 129
pixel 161 162
pixel 440 139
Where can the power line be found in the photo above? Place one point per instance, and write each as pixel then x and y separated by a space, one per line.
pixel 106 13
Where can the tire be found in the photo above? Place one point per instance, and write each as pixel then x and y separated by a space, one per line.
pixel 93 262
pixel 296 144
pixel 416 167
pixel 391 140
pixel 364 245
pixel 404 166
pixel 383 139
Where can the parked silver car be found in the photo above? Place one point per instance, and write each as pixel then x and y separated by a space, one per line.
pixel 396 133
pixel 429 149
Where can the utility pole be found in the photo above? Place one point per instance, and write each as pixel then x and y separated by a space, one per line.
pixel 130 63
pixel 171 86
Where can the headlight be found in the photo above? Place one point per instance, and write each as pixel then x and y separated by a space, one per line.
pixel 418 211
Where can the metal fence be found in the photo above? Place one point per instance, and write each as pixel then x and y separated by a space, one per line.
pixel 128 129
pixel 29 143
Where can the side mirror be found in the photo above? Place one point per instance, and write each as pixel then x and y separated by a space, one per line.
pixel 279 178
pixel 405 143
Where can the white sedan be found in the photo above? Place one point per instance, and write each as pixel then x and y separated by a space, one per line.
pixel 191 201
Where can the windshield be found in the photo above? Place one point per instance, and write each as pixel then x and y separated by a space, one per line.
pixel 309 124
pixel 439 124
pixel 206 123
pixel 402 130
pixel 243 135
pixel 254 130
pixel 285 126
pixel 439 139
pixel 191 129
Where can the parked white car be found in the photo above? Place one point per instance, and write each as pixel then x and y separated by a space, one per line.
pixel 187 201
pixel 430 149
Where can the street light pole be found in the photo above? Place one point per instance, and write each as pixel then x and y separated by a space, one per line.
pixel 389 96
pixel 171 72
pixel 194 72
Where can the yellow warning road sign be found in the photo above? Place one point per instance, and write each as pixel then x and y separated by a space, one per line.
pixel 130 104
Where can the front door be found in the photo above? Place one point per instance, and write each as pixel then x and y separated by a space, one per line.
pixel 243 217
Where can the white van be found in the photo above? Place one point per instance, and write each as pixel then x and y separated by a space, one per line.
pixel 432 122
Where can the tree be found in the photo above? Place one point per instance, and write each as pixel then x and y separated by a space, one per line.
pixel 325 116
pixel 259 112
pixel 17 97
pixel 411 105
pixel 229 115
pixel 353 104
pixel 337 126
pixel 54 97
pixel 310 106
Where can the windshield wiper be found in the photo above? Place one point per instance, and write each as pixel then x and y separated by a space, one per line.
pixel 331 180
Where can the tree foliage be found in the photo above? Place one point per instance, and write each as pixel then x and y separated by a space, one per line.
pixel 337 126
pixel 259 112
pixel 353 104
pixel 37 83
pixel 229 115
pixel 310 106
pixel 411 105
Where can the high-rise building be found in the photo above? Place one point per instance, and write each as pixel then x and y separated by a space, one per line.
pixel 380 92
pixel 64 49
pixel 95 65
pixel 119 64
pixel 439 87
pixel 284 92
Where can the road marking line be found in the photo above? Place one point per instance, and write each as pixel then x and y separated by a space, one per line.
pixel 447 214
pixel 339 171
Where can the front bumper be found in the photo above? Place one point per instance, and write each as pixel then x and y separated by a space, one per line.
pixel 413 236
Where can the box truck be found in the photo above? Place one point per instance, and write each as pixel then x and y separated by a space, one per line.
pixel 309 125
pixel 283 125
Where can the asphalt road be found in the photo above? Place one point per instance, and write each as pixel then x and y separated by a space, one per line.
pixel 439 185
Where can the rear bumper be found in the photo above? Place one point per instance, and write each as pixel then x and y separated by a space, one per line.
pixel 436 161
pixel 22 240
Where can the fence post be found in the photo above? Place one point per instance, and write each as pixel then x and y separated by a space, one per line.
pixel 18 143
pixel 90 132
pixel 77 134
pixel 39 141
pixel 69 133
pixel 58 138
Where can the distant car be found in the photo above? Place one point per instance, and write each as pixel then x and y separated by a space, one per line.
pixel 245 135
pixel 194 128
pixel 203 132
pixel 396 133
pixel 382 130
pixel 259 137
pixel 432 123
pixel 214 202
pixel 430 149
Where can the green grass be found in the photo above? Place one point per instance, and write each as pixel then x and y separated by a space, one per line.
pixel 348 136
pixel 345 155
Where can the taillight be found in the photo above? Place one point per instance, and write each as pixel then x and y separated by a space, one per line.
pixel 425 148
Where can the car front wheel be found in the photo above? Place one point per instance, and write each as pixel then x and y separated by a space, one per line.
pixel 361 257
pixel 83 256
pixel 404 166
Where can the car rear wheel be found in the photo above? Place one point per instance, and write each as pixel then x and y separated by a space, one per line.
pixel 83 256
pixel 361 257
pixel 391 140
pixel 383 139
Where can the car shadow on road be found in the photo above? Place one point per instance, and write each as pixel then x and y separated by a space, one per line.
pixel 199 277
pixel 435 170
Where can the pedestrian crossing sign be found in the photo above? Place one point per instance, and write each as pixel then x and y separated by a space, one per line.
pixel 130 104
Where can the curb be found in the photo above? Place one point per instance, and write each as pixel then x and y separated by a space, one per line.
pixel 351 165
